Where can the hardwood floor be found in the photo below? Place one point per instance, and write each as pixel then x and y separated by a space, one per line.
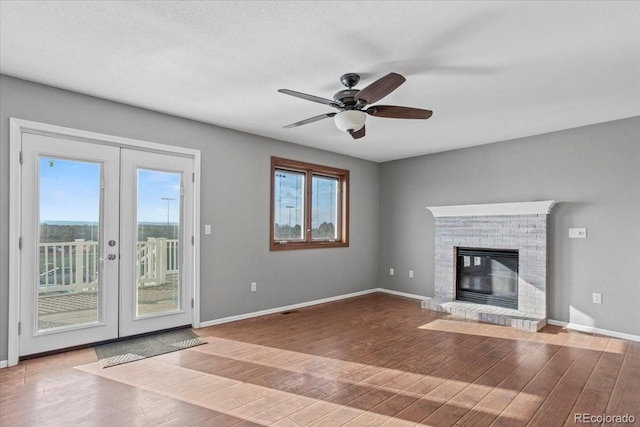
pixel 366 361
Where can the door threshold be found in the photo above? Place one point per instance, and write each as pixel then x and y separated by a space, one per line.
pixel 94 344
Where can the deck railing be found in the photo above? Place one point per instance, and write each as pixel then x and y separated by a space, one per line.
pixel 75 266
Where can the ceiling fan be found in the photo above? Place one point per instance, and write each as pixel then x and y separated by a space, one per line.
pixel 352 102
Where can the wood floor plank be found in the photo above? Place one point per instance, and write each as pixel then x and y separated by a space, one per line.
pixel 372 360
pixel 465 392
pixel 596 394
pixel 560 400
pixel 524 406
pixel 625 398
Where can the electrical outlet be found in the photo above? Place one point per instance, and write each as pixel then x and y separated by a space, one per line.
pixel 254 286
pixel 411 274
pixel 391 272
pixel 597 298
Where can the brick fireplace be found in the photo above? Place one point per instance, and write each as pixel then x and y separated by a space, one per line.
pixel 521 227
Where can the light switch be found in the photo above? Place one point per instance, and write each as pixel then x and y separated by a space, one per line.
pixel 577 233
pixel 207 229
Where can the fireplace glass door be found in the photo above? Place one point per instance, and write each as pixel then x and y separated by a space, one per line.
pixel 487 276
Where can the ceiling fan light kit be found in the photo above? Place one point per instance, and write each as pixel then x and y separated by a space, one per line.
pixel 351 103
pixel 350 120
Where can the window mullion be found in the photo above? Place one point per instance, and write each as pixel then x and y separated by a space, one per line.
pixel 308 205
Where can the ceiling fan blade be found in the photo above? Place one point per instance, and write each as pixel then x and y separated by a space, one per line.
pixel 396 112
pixel 310 120
pixel 357 134
pixel 310 97
pixel 380 88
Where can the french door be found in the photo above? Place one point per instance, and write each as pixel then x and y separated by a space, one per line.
pixel 106 242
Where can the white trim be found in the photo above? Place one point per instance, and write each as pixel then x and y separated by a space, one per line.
pixel 19 126
pixel 573 326
pixel 4 364
pixel 489 209
pixel 284 308
pixel 196 242
pixel 402 294
pixel 15 191
pixel 99 138
pixel 306 304
pixel 593 330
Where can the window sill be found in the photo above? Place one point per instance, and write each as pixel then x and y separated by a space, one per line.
pixel 275 246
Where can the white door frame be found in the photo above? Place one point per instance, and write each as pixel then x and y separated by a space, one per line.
pixel 20 126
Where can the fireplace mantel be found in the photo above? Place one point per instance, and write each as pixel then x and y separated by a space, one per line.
pixel 490 209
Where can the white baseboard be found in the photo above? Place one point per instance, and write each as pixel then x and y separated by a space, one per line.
pixel 305 304
pixel 402 294
pixel 572 326
pixel 593 330
pixel 283 308
pixel 557 323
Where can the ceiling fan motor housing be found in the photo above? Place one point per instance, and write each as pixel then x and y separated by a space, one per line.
pixel 346 98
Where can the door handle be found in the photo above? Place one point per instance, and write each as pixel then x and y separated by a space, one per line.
pixel 111 257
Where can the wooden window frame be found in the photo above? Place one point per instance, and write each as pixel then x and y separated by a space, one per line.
pixel 310 169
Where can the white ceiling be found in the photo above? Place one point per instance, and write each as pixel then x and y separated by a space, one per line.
pixel 490 71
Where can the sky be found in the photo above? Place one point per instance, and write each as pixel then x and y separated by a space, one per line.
pixel 70 191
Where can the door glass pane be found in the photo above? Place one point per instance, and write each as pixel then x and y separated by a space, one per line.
pixel 324 208
pixel 289 205
pixel 158 287
pixel 69 242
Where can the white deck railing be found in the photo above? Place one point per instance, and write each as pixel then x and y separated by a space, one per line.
pixel 74 266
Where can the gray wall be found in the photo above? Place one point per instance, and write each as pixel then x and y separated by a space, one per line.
pixel 594 174
pixel 235 200
pixel 592 171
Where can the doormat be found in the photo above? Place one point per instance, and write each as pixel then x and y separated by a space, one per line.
pixel 129 350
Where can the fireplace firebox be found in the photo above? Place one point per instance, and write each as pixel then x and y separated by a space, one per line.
pixel 487 276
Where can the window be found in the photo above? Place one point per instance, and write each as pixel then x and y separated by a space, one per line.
pixel 309 205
